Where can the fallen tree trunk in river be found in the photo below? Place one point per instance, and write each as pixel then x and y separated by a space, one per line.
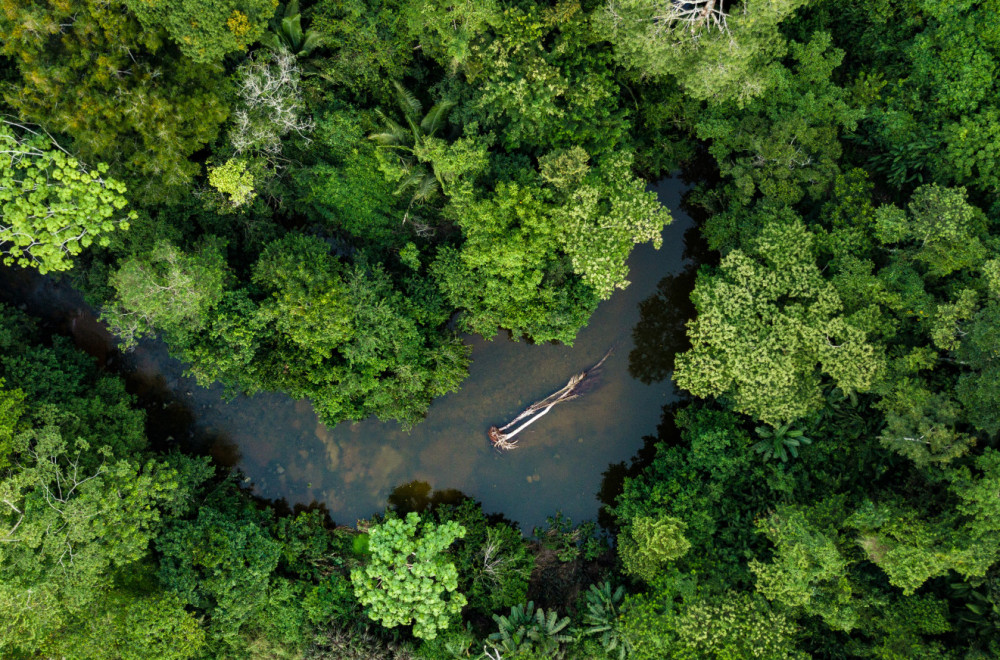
pixel 503 437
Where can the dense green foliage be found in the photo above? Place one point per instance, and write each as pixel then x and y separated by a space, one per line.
pixel 403 581
pixel 88 69
pixel 315 198
pixel 206 31
pixel 83 497
pixel 51 206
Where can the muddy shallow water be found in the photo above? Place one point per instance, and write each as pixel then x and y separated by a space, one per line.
pixel 352 469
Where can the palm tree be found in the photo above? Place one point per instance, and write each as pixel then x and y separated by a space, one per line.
pixel 602 619
pixel 407 141
pixel 287 34
pixel 780 442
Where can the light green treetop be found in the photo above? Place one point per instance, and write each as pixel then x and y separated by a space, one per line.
pixel 808 568
pixel 166 289
pixel 650 543
pixel 233 180
pixel 912 544
pixel 538 256
pixel 769 327
pixel 510 272
pixel 408 575
pixel 603 217
pixel 309 301
pixel 942 230
pixel 715 52
pixel 51 205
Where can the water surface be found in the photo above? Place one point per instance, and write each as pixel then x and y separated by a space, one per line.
pixel 285 453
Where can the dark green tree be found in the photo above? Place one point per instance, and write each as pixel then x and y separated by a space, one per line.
pixel 89 69
pixel 204 30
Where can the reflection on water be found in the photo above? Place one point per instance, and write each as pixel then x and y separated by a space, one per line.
pixel 416 496
pixel 351 469
pixel 661 332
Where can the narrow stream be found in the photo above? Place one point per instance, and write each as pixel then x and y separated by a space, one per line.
pixel 352 469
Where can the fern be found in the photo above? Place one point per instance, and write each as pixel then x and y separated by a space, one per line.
pixel 435 117
pixel 407 101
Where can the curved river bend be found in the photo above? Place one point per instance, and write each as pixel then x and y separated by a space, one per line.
pixel 352 469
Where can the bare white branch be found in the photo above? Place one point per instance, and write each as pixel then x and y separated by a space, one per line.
pixel 270 105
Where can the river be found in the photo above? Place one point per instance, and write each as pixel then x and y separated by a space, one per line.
pixel 352 470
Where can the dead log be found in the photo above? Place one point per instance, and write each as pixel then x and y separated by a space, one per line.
pixel 502 438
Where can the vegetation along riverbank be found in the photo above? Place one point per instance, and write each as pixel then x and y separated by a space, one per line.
pixel 280 278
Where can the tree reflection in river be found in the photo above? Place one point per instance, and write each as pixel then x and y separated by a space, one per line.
pixel 420 496
pixel 661 332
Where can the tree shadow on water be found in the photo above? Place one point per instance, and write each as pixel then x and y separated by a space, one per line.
pixel 420 497
pixel 221 447
pixel 613 479
pixel 283 508
pixel 661 332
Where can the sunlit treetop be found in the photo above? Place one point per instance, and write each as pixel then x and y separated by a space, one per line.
pixel 52 205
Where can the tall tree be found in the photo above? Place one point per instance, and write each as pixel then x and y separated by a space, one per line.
pixel 51 205
pixel 204 30
pixel 769 328
pixel 90 70
pixel 717 50
pixel 784 144
pixel 539 253
pixel 166 290
pixel 408 578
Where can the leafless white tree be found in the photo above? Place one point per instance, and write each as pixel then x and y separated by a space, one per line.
pixel 691 15
pixel 270 107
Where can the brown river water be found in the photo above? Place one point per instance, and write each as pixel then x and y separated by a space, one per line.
pixel 351 470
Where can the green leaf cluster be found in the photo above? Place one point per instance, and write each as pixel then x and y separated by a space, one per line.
pixel 206 30
pixel 89 69
pixel 51 205
pixel 408 579
pixel 769 328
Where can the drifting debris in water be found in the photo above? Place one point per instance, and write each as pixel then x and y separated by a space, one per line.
pixel 502 439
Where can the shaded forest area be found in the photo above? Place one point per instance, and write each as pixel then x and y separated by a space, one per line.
pixel 315 199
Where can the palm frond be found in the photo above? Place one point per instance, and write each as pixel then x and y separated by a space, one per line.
pixel 436 116
pixel 272 42
pixel 413 180
pixel 291 32
pixel 414 129
pixel 388 139
pixel 427 189
pixel 399 135
pixel 407 101
pixel 312 41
